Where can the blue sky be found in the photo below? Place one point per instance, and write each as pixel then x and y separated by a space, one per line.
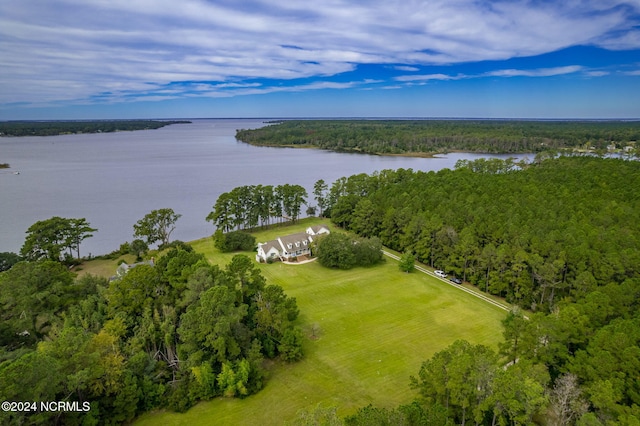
pixel 66 59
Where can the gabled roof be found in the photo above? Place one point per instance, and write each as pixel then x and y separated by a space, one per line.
pixel 292 239
pixel 298 241
pixel 318 228
pixel 266 247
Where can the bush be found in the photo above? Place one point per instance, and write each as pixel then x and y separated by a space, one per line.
pixel 290 347
pixel 340 251
pixel 407 262
pixel 234 241
pixel 176 244
pixel 368 251
pixel 336 251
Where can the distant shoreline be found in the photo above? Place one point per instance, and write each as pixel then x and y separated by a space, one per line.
pixel 426 138
pixel 56 128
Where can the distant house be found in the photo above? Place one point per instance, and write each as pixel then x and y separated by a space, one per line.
pixel 291 246
pixel 124 267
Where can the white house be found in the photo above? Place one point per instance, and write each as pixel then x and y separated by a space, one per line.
pixel 290 246
pixel 124 267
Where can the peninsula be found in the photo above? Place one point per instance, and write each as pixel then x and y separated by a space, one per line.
pixel 53 128
pixel 428 137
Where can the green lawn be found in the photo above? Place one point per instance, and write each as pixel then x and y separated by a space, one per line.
pixel 102 267
pixel 374 327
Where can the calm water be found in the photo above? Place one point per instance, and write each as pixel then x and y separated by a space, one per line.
pixel 114 179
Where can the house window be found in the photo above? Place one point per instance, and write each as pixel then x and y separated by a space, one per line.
pixel 289 246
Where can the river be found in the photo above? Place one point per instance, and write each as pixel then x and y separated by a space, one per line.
pixel 114 179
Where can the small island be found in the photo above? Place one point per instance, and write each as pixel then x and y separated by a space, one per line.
pixel 4 165
pixel 53 128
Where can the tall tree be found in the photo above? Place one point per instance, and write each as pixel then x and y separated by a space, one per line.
pixel 459 378
pixel 208 328
pixel 292 196
pixel 514 327
pixel 518 393
pixel 7 260
pixel 157 226
pixel 79 230
pixel 320 192
pixel 48 239
pixel 32 297
pixel 567 402
pixel 221 216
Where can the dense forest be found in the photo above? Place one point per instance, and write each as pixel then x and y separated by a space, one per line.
pixel 559 238
pixel 165 334
pixel 556 229
pixel 52 128
pixel 437 136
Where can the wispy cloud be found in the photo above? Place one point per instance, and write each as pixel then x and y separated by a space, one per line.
pixel 71 50
pixel 596 73
pixel 539 72
pixel 427 77
pixel 542 72
pixel 406 68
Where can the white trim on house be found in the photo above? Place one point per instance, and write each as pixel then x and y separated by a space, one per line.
pixel 291 246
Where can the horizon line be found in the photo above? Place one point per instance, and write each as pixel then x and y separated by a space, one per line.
pixel 372 118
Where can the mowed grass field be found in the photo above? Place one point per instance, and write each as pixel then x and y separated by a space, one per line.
pixel 368 330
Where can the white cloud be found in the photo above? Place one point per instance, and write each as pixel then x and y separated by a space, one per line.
pixel 596 73
pixel 77 49
pixel 406 68
pixel 541 72
pixel 427 77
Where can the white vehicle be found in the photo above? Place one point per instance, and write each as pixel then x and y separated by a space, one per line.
pixel 440 273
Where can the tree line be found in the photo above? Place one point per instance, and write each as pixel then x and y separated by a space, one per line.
pixel 577 365
pixel 559 237
pixel 248 206
pixel 437 136
pixel 167 335
pixel 58 238
pixel 52 128
pixel 556 229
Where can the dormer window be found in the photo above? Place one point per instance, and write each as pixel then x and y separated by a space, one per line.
pixel 298 244
pixel 304 242
pixel 289 246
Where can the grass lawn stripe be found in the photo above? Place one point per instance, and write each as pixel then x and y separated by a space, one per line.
pixel 376 326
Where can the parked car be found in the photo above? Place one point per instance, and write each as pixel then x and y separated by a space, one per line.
pixel 455 280
pixel 440 273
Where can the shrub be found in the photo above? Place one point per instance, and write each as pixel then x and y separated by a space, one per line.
pixel 233 241
pixel 340 251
